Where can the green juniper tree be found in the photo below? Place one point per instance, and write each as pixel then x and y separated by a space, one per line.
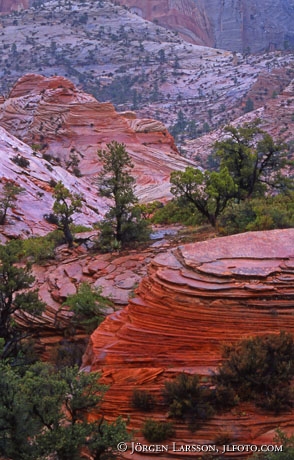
pixel 66 204
pixel 123 222
pixel 13 281
pixel 8 198
pixel 209 192
pixel 44 413
pixel 253 159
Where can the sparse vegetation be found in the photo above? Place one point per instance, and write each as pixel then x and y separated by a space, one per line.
pixel 89 307
pixel 143 400
pixel 123 222
pixel 8 198
pixel 155 431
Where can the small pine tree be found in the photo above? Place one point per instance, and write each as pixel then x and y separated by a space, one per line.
pixel 8 198
pixel 123 221
pixel 66 204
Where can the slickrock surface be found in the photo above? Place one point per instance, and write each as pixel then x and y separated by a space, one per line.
pixel 62 120
pixel 117 274
pixel 195 299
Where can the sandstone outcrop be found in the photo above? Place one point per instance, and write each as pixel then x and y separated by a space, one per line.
pixel 6 6
pixel 63 121
pixel 196 299
pixel 117 275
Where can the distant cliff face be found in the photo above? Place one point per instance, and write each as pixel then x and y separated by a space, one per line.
pixel 237 25
pixel 6 6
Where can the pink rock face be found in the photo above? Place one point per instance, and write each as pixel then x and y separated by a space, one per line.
pixel 54 114
pixel 186 17
pixel 6 6
pixel 196 299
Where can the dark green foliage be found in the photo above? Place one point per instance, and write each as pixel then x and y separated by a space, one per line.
pixel 8 199
pixel 89 307
pixel 66 204
pixel 154 431
pixel 21 161
pixel 13 280
pixel 282 440
pixel 177 211
pixel 252 158
pixel 258 214
pixel 123 223
pixel 188 400
pixel 209 192
pixel 143 400
pixel 44 413
pixel 260 369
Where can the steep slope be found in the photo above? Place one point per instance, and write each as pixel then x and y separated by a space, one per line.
pixel 276 116
pixel 26 218
pixel 194 300
pixel 57 121
pixel 232 25
pixel 120 57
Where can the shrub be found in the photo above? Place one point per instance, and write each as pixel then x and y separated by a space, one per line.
pixel 143 400
pixel 88 306
pixel 259 214
pixel 154 431
pixel 188 400
pixel 51 218
pixel 41 248
pixel 176 211
pixel 21 161
pixel 260 369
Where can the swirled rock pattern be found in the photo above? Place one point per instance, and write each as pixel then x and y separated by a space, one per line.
pixel 63 121
pixel 195 299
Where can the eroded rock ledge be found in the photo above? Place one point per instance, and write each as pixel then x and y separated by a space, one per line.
pixel 194 300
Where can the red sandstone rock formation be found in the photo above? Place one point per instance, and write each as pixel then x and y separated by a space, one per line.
pixel 54 114
pixel 194 300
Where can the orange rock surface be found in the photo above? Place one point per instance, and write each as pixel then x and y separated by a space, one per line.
pixel 195 299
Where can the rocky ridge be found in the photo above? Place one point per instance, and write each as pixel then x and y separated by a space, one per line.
pixel 118 56
pixel 195 299
pixel 46 120
pixel 235 26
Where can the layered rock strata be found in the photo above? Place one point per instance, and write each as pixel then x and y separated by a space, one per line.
pixel 196 299
pixel 61 121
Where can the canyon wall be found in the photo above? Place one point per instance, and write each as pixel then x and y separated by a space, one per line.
pixel 236 25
